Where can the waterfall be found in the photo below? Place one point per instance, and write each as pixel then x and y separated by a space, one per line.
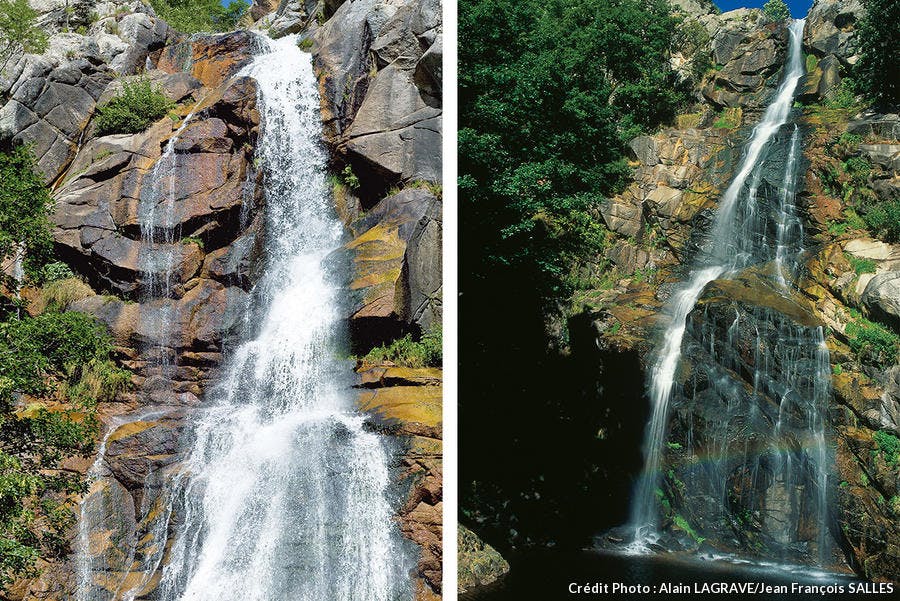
pixel 156 217
pixel 764 451
pixel 284 493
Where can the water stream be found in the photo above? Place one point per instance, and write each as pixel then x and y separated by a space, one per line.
pixel 747 385
pixel 284 494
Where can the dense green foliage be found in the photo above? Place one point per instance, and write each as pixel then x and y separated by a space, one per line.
pixel 406 352
pixel 549 93
pixel 139 104
pixel 883 220
pixel 24 204
pixel 888 445
pixel 777 10
pixel 54 368
pixel 878 70
pixel 65 356
pixel 192 16
pixel 19 31
pixel 872 342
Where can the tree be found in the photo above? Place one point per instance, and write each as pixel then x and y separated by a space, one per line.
pixel 191 16
pixel 24 206
pixel 18 31
pixel 777 10
pixel 877 73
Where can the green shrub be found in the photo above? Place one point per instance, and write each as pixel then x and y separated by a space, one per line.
pixel 192 16
pixel 139 104
pixel 57 270
pixel 193 240
pixel 888 445
pixel 777 10
pixel 844 96
pixel 19 31
pixel 729 118
pixel 872 342
pixel 883 220
pixel 406 352
pixel 878 70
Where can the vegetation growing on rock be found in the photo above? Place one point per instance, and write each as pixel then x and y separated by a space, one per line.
pixel 138 105
pixel 406 352
pixel 24 203
pixel 192 16
pixel 777 10
pixel 54 369
pixel 549 95
pixel 18 31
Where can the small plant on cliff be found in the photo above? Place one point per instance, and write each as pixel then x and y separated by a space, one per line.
pixel 139 104
pixel 872 342
pixel 406 352
pixel 861 266
pixel 349 178
pixel 883 220
pixel 19 31
pixel 777 10
pixel 888 446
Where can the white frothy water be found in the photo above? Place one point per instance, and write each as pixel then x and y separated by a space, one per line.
pixel 727 251
pixel 284 494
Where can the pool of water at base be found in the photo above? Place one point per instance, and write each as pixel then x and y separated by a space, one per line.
pixel 547 575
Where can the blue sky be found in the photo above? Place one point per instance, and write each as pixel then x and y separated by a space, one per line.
pixel 799 8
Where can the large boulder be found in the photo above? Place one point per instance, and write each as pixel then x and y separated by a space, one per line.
pixel 379 65
pixel 831 29
pixel 881 298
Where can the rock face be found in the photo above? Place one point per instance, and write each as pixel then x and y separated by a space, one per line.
pixel 52 96
pixel 480 563
pixel 829 37
pixel 380 71
pixel 406 402
pixel 748 53
pixel 379 67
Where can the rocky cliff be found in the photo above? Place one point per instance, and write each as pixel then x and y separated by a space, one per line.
pixel 850 281
pixel 379 72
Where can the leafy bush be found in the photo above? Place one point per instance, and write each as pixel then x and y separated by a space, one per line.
pixel 24 206
pixel 51 272
pixel 777 10
pixel 883 220
pixel 427 352
pixel 139 104
pixel 550 92
pixel 19 31
pixel 65 356
pixel 872 342
pixel 192 16
pixel 888 446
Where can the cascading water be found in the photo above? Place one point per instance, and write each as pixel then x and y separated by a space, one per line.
pixel 284 494
pixel 746 382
